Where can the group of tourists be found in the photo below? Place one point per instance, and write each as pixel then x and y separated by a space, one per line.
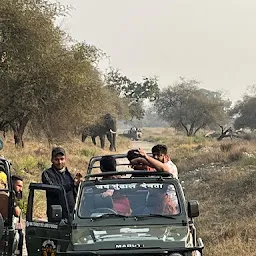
pixel 58 173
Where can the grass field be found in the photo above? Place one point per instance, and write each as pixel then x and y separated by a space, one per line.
pixel 30 161
pixel 221 175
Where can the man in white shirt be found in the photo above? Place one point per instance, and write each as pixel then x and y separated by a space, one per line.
pixel 160 161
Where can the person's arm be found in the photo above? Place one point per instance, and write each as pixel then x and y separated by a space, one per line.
pixel 16 210
pixel 78 178
pixel 159 166
pixel 50 179
pixel 140 161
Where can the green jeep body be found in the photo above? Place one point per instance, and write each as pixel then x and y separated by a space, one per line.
pixel 96 228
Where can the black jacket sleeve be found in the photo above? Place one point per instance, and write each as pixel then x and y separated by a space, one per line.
pixel 49 178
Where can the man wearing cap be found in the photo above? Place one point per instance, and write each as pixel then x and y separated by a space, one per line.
pixel 58 174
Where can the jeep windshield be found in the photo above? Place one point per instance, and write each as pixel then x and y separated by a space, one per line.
pixel 127 198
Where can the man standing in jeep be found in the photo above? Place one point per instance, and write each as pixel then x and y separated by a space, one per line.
pixel 160 161
pixel 58 174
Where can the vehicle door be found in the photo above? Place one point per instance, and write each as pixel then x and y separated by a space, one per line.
pixel 47 231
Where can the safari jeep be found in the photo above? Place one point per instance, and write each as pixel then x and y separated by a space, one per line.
pixel 11 234
pixel 121 213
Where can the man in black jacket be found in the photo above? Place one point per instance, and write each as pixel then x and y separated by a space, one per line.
pixel 58 174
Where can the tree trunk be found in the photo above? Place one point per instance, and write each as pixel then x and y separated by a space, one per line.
pixel 225 133
pixel 191 129
pixel 18 139
pixel 198 128
pixel 18 129
pixel 185 127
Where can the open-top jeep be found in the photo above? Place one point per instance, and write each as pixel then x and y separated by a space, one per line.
pixel 11 235
pixel 124 212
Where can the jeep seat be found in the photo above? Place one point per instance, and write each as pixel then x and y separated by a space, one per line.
pixel 103 202
pixel 137 198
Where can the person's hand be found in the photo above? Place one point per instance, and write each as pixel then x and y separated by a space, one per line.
pixel 78 178
pixel 109 192
pixel 142 153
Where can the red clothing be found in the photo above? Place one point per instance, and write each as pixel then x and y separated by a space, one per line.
pixel 121 204
pixel 141 167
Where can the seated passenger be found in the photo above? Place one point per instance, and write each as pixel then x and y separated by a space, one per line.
pixel 108 164
pixel 137 162
pixel 120 202
pixel 17 184
pixel 160 202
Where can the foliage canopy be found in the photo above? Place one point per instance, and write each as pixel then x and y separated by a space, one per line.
pixel 46 79
pixel 132 91
pixel 186 106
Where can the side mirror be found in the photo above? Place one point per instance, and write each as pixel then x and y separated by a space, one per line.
pixel 193 209
pixel 55 213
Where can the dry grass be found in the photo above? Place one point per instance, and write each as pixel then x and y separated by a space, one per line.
pixel 221 175
pixel 31 161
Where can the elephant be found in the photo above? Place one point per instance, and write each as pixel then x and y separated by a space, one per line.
pixel 107 127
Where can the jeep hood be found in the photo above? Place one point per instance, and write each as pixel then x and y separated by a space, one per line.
pixel 130 237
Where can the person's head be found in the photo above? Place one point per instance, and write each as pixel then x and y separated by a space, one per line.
pixel 108 164
pixel 58 158
pixel 159 152
pixel 136 161
pixel 17 184
pixel 132 154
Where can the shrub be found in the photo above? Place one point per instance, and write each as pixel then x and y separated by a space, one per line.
pixel 28 163
pixel 226 147
pixel 89 152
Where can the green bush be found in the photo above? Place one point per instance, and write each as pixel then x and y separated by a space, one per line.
pixel 226 147
pixel 197 139
pixel 89 152
pixel 248 160
pixel 28 163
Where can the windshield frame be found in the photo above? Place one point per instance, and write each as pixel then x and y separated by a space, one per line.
pixel 169 181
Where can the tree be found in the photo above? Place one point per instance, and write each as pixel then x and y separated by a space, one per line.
pixel 186 106
pixel 29 38
pixel 45 79
pixel 244 113
pixel 133 92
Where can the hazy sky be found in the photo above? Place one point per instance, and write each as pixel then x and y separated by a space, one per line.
pixel 211 41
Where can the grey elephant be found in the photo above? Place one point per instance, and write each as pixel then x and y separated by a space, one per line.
pixel 107 127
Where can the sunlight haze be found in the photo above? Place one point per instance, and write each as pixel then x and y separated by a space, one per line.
pixel 210 41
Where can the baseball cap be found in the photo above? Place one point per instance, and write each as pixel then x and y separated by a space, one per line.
pixel 58 151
